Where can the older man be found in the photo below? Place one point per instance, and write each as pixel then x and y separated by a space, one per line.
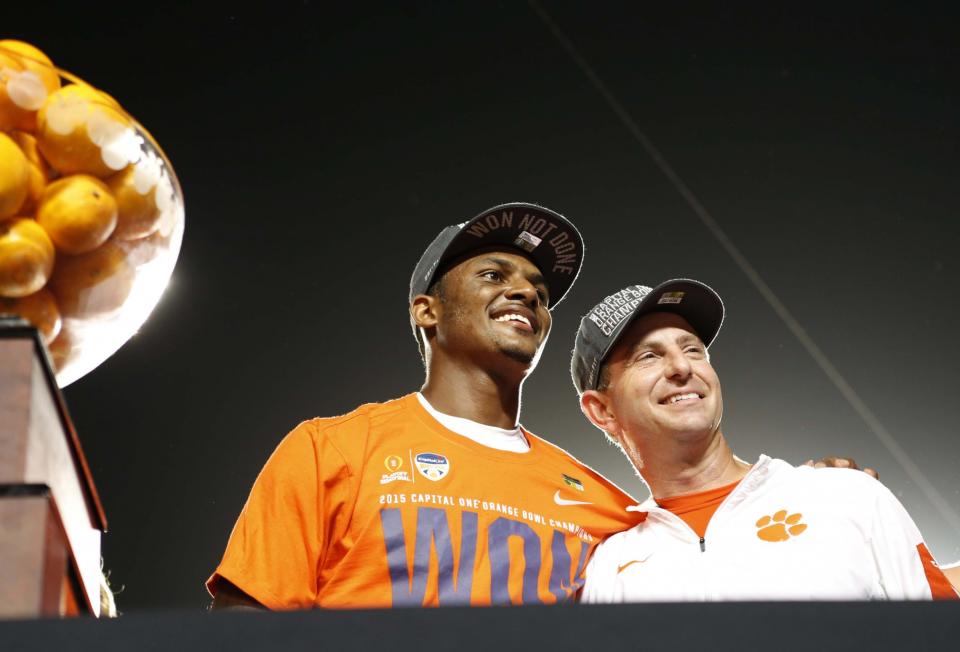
pixel 717 527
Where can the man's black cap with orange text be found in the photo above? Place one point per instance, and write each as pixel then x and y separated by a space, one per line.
pixel 549 239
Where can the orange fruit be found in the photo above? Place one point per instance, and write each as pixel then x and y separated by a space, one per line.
pixel 11 114
pixel 78 212
pixel 28 144
pixel 92 283
pixel 14 177
pixel 39 308
pixel 35 188
pixel 39 171
pixel 82 130
pixel 137 212
pixel 36 184
pixel 27 77
pixel 26 257
pixel 32 58
pixel 142 251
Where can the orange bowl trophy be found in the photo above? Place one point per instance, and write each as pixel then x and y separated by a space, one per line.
pixel 91 212
pixel 91 222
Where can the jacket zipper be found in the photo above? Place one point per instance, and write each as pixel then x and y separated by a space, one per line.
pixel 703 544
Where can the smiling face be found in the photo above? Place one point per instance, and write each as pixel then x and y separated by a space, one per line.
pixel 662 388
pixel 492 304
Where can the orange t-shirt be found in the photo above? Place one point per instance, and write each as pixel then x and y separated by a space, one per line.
pixel 697 509
pixel 385 507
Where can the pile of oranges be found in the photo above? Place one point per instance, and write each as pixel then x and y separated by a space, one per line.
pixel 79 206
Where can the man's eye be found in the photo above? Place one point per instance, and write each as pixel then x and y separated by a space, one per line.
pixel 694 350
pixel 493 275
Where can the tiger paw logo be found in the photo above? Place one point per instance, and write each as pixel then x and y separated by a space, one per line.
pixel 780 527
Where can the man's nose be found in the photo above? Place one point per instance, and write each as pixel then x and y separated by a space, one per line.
pixel 677 365
pixel 523 290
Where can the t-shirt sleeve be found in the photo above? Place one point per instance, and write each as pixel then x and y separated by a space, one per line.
pixel 278 543
pixel 907 569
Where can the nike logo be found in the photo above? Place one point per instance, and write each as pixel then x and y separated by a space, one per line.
pixel 563 501
pixel 620 569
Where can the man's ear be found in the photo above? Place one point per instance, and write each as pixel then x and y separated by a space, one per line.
pixel 596 407
pixel 423 310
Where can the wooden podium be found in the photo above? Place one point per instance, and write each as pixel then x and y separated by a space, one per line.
pixel 50 515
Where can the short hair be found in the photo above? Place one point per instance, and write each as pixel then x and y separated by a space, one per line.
pixel 603 378
pixel 435 290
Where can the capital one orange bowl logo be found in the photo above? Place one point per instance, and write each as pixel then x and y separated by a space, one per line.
pixel 432 466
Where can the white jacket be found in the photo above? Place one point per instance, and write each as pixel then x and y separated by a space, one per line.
pixel 784 533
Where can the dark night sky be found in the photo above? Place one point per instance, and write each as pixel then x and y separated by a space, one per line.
pixel 320 152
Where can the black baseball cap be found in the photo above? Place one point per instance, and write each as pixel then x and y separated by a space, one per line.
pixel 551 241
pixel 604 325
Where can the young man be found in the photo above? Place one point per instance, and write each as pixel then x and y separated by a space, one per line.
pixel 439 497
pixel 716 527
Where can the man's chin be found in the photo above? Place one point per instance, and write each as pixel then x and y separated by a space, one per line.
pixel 522 356
pixel 521 352
pixel 693 430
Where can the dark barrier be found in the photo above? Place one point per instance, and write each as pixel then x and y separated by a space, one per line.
pixel 771 627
